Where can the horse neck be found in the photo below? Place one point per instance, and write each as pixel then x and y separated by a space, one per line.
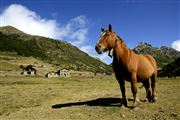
pixel 121 54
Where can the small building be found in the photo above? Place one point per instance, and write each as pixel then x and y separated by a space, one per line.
pixel 60 73
pixel 64 72
pixel 51 74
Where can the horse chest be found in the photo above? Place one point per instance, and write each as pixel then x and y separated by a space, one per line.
pixel 121 70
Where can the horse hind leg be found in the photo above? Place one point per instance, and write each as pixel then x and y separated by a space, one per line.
pixel 146 84
pixel 153 87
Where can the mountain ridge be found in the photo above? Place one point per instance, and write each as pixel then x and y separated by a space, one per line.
pixel 163 54
pixel 11 30
pixel 58 52
pixel 62 53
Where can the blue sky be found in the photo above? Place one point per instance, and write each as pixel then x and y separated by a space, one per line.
pixel 79 21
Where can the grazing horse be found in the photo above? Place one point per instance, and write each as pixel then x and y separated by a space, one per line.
pixel 128 65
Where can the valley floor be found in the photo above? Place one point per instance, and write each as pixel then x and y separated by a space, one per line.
pixel 38 98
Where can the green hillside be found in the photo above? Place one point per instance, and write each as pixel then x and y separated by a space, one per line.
pixel 163 55
pixel 171 70
pixel 55 52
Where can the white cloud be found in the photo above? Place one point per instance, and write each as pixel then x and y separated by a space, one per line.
pixel 79 36
pixel 76 29
pixel 28 21
pixel 176 45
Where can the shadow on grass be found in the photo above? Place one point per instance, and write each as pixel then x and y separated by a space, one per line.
pixel 105 102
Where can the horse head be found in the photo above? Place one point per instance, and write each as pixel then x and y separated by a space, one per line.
pixel 107 41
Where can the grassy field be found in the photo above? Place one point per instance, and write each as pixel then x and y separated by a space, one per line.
pixel 38 98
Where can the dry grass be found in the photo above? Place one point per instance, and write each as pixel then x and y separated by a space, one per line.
pixel 30 98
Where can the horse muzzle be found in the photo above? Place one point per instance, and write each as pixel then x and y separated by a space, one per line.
pixel 99 49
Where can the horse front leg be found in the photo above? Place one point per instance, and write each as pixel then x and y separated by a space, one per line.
pixel 123 91
pixel 134 89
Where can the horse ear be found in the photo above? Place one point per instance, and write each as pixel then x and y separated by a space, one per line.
pixel 110 27
pixel 102 29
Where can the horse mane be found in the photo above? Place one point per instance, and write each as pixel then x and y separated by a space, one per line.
pixel 122 41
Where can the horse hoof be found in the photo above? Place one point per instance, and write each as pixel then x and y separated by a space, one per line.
pixel 145 100
pixel 122 106
pixel 153 99
pixel 124 103
pixel 149 99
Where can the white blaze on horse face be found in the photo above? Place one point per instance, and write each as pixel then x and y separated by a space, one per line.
pixel 102 34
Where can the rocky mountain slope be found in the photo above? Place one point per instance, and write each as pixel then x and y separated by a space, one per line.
pixel 163 55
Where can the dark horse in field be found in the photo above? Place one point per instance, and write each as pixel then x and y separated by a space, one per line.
pixel 128 65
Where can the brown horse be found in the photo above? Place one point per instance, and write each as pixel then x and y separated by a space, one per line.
pixel 128 65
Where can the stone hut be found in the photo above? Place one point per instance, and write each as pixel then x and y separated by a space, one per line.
pixel 60 73
pixel 52 74
pixel 64 72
